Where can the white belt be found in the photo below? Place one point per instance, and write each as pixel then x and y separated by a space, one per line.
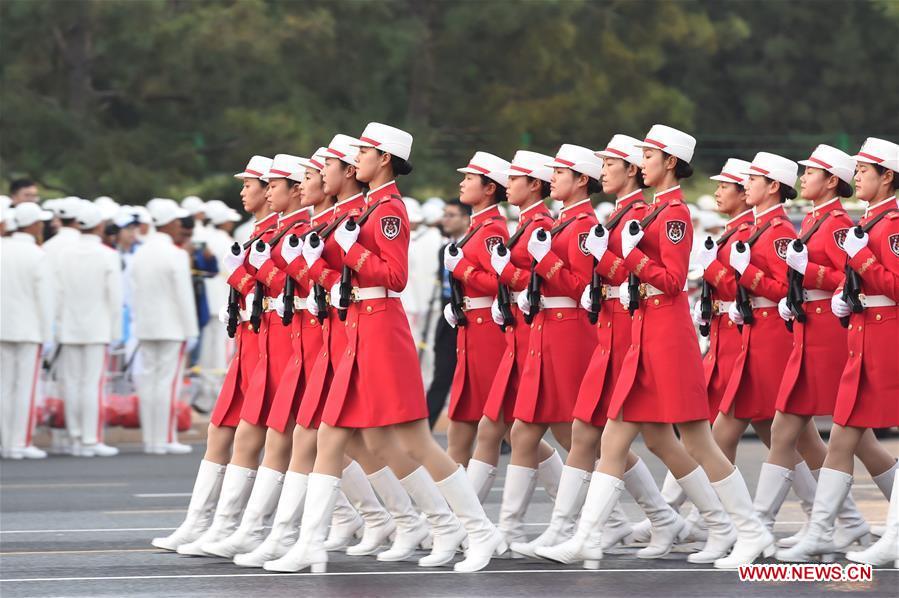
pixel 816 295
pixel 610 291
pixel 557 302
pixel 299 303
pixel 268 303
pixel 719 308
pixel 758 302
pixel 366 293
pixel 876 300
pixel 470 303
pixel 513 296
pixel 647 290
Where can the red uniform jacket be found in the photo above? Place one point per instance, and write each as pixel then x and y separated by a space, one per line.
pixel 504 389
pixel 613 327
pixel 246 354
pixel 752 389
pixel 661 378
pixel 479 344
pixel 869 387
pixel 724 336
pixel 812 375
pixel 561 339
pixel 378 380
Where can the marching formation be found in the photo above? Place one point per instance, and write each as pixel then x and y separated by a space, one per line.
pixel 319 440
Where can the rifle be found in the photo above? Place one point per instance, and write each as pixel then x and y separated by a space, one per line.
pixel 595 284
pixel 289 288
pixel 318 291
pixel 853 286
pixel 457 301
pixel 233 302
pixel 346 281
pixel 633 283
pixel 744 304
pixel 534 285
pixel 705 299
pixel 503 296
pixel 259 291
pixel 795 295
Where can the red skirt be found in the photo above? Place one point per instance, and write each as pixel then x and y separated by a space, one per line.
pixel 240 370
pixel 305 330
pixel 480 346
pixel 812 376
pixel 559 349
pixel 661 377
pixel 321 363
pixel 613 330
pixel 751 392
pixel 501 398
pixel 274 352
pixel 718 363
pixel 868 396
pixel 378 379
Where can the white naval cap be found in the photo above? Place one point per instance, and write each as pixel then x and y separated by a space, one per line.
pixel 671 141
pixel 256 168
pixel 879 151
pixel 432 210
pixel 833 160
pixel 343 147
pixel 317 161
pixel 126 216
pixel 286 166
pixel 413 210
pixel 492 167
pixel 531 164
pixel 142 214
pixel 777 168
pixel 164 211
pixel 26 214
pixel 89 216
pixel 67 208
pixel 385 138
pixel 624 147
pixel 193 204
pixel 579 159
pixel 734 171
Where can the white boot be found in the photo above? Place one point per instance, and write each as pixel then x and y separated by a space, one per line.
pixel 285 525
pixel 572 491
pixel 411 530
pixel 309 551
pixel 617 528
pixel 602 497
pixel 804 484
pixel 345 523
pixel 206 491
pixel 378 523
pixel 753 538
pixel 666 523
pixel 722 534
pixel 850 526
pixel 886 550
pixel 886 479
pixel 481 476
pixel 517 493
pixel 446 529
pixel 251 531
pixel 549 472
pixel 773 485
pixel 236 486
pixel 672 494
pixel 833 486
pixel 484 540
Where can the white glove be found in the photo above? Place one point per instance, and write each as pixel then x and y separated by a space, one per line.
pixel 499 262
pixel 279 306
pixel 797 260
pixel 312 254
pixel 706 256
pixel 523 304
pixel 289 253
pixel 785 312
pixel 311 305
pixel 734 313
pixel 335 295
pixel 740 261
pixel 346 238
pixel 232 262
pixel 449 316
pixel 853 244
pixel 623 296
pixel 839 307
pixel 192 342
pixel 597 245
pixel 697 314
pixel 496 313
pixel 537 248
pixel 585 298
pixel 450 261
pixel 257 258
pixel 223 315
pixel 629 241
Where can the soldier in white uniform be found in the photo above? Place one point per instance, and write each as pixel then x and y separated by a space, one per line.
pixel 88 320
pixel 165 323
pixel 26 297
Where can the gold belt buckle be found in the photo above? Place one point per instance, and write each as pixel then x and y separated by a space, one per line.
pixel 466 304
pixel 643 290
pixel 265 302
pixel 354 295
pixel 604 291
pixel 716 307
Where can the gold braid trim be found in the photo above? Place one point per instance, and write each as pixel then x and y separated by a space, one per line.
pixel 819 277
pixel 246 278
pixel 270 277
pixel 467 274
pixel 866 265
pixel 556 267
pixel 618 261
pixel 515 277
pixel 321 278
pixel 718 277
pixel 755 281
pixel 643 261
pixel 358 265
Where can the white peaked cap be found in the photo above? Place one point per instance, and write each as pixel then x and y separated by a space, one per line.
pixel 578 158
pixel 776 168
pixel 624 147
pixel 671 141
pixel 391 140
pixel 286 166
pixel 163 211
pixel 734 171
pixel 26 214
pixel 317 161
pixel 492 167
pixel 834 161
pixel 90 216
pixel 68 207
pixel 256 168
pixel 531 164
pixel 343 147
pixel 879 151
pixel 413 210
pixel 193 204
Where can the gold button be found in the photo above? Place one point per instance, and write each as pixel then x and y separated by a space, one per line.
pixel 511 354
pixel 345 324
pixel 558 315
pixel 457 349
pixel 655 301
pixel 851 353
pixel 480 320
pixel 532 351
pixel 878 317
pixel 765 314
pixel 639 317
pixel 859 328
pixel 730 323
pixel 742 347
pixel 354 324
pixel 850 326
pixel 326 354
pixel 296 362
pixel 608 324
pixel 539 326
pixel 817 310
pixel 368 308
pixel 312 320
pixel 349 351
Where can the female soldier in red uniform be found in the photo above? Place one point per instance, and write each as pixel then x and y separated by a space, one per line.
pixel 868 386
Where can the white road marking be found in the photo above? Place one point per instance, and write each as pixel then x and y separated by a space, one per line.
pixel 162 495
pixel 144 512
pixel 86 530
pixel 73 485
pixel 98 551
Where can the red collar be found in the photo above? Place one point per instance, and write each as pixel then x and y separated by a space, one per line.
pixel 538 209
pixel 744 218
pixel 355 203
pixel 382 192
pixel 668 195
pixel 770 214
pixel 887 204
pixel 486 213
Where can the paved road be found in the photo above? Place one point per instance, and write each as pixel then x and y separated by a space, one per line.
pixel 82 528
